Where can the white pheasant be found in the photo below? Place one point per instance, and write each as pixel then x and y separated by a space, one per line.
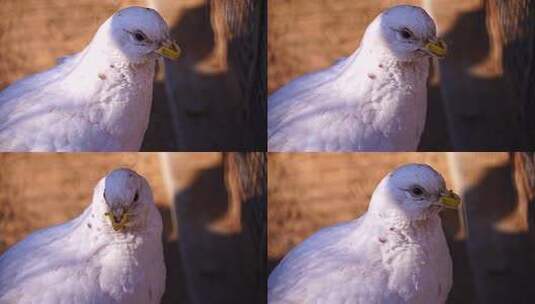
pixel 111 253
pixel 394 253
pixel 374 100
pixel 96 100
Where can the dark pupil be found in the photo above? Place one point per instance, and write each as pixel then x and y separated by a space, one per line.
pixel 405 34
pixel 139 36
pixel 417 191
pixel 136 197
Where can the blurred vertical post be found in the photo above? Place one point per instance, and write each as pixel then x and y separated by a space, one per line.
pixel 246 179
pixel 216 90
pixel 220 202
pixel 497 247
pixel 243 24
pixel 474 94
pixel 524 177
pixel 514 25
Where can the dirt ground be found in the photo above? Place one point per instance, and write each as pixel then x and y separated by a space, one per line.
pixel 39 190
pixel 204 246
pixel 306 36
pixel 34 34
pixel 468 105
pixel 202 109
pixel 309 191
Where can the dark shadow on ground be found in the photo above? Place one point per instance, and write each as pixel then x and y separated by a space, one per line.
pixel 217 107
pixel 160 135
pixel 490 265
pixel 436 133
pixel 500 261
pixel 220 260
pixel 479 111
pixel 175 283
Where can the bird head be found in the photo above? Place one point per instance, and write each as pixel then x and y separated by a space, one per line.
pixel 124 199
pixel 406 32
pixel 412 192
pixel 139 34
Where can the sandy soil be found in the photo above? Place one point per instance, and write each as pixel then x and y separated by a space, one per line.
pixel 45 189
pixel 40 190
pixel 310 191
pixel 306 36
pixel 208 247
pixel 34 34
pixel 205 92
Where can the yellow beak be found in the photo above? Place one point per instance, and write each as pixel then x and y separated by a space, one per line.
pixel 117 224
pixel 437 48
pixel 450 200
pixel 169 49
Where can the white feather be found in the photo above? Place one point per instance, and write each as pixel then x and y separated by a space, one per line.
pixel 96 100
pixel 85 260
pixel 375 100
pixel 394 253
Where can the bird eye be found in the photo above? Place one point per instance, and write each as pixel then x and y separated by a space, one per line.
pixel 417 191
pixel 136 196
pixel 139 36
pixel 405 34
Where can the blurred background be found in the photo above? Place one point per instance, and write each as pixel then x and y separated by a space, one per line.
pixel 213 207
pixel 210 99
pixel 491 238
pixel 480 96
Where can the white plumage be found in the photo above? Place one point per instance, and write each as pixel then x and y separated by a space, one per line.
pixel 374 100
pixel 98 257
pixel 96 100
pixel 394 253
